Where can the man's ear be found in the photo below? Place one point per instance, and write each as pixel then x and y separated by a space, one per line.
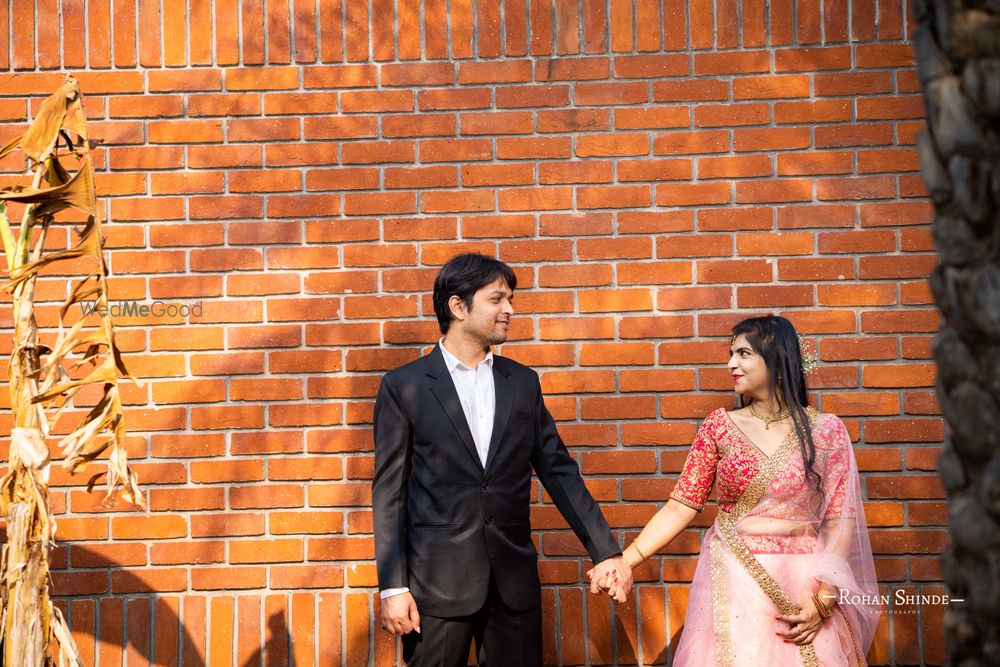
pixel 457 307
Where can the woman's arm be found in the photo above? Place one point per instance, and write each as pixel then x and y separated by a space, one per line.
pixel 665 525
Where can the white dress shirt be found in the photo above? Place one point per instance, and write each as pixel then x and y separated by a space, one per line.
pixel 477 394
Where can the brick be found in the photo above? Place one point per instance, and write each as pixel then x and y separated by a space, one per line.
pixel 466 98
pixel 573 120
pixel 455 150
pixel 776 295
pixel 734 167
pixel 745 62
pixel 147 158
pixel 653 170
pixel 824 111
pixel 572 69
pixel 145 528
pixel 656 327
pixel 812 59
pixel 305 577
pixel 761 87
pixel 697 90
pixel 857 134
pixel 494 72
pixel 539 198
pixel 348 127
pixel 145 106
pixel 516 97
pixel 781 243
pixel 916 240
pixel 896 213
pixel 857 295
pixel 275 78
pixel 711 115
pixel 891 108
pixel 734 271
pixel 689 143
pixel 266 496
pixel 693 194
pixel 694 298
pixel 899 375
pixel 505 174
pixel 420 125
pixel 225 579
pixel 611 196
pixel 619 144
pixel 895 267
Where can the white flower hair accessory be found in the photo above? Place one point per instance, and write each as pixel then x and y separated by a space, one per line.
pixel 810 360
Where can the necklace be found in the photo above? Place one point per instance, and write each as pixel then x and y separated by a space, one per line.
pixel 768 420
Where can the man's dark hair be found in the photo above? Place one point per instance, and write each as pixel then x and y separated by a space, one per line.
pixel 463 276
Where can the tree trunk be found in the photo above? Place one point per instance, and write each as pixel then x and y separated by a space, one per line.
pixel 958 59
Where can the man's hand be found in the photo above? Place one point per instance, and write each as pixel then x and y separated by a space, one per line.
pixel 400 615
pixel 612 575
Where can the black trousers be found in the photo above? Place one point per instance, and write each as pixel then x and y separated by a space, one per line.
pixel 503 637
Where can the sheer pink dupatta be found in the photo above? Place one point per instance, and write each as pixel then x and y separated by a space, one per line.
pixel 828 529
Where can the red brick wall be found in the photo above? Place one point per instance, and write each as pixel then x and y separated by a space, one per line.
pixel 654 171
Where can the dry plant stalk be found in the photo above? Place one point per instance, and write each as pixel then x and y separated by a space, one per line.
pixel 44 380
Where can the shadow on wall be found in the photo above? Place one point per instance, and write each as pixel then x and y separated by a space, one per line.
pixel 115 615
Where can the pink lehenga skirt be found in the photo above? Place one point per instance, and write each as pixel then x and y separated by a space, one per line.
pixel 732 616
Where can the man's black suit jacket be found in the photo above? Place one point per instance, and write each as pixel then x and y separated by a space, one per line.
pixel 442 521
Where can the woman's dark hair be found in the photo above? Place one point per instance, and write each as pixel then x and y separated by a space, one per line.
pixel 775 339
pixel 463 276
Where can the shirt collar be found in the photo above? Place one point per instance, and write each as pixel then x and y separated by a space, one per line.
pixel 453 362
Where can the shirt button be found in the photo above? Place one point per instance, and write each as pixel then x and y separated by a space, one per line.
pixel 488 520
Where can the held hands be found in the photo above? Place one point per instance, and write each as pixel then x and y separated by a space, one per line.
pixel 400 615
pixel 804 625
pixel 612 575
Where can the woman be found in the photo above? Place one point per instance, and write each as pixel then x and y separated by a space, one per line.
pixel 784 566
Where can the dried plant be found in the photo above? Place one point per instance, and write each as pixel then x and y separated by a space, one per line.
pixel 43 380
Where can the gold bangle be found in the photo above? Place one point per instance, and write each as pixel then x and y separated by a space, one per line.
pixel 635 545
pixel 824 611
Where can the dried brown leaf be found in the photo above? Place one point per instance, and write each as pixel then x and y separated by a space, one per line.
pixel 77 192
pixel 40 139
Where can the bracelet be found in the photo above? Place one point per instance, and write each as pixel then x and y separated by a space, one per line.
pixel 824 612
pixel 635 545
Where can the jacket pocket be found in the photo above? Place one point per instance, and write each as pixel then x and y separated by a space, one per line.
pixel 424 524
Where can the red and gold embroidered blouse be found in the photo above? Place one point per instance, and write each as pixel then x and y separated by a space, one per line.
pixel 723 455
pixel 717 440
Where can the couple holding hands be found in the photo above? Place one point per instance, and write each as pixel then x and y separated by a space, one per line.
pixel 787 563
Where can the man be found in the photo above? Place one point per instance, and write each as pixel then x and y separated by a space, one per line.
pixel 457 434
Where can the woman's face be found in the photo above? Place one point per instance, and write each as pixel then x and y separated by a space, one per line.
pixel 748 369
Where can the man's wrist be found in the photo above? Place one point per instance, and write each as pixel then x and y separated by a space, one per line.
pixel 390 592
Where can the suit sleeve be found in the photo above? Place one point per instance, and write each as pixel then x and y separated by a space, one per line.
pixel 560 475
pixel 393 447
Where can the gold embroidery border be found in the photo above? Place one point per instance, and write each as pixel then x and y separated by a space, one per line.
pixel 726 523
pixel 724 654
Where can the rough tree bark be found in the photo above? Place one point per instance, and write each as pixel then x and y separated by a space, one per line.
pixel 958 58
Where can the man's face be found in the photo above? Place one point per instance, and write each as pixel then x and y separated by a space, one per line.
pixel 489 318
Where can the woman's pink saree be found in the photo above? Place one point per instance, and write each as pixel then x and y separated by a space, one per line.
pixel 774 539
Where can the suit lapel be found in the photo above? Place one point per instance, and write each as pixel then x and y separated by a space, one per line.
pixel 443 388
pixel 504 391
